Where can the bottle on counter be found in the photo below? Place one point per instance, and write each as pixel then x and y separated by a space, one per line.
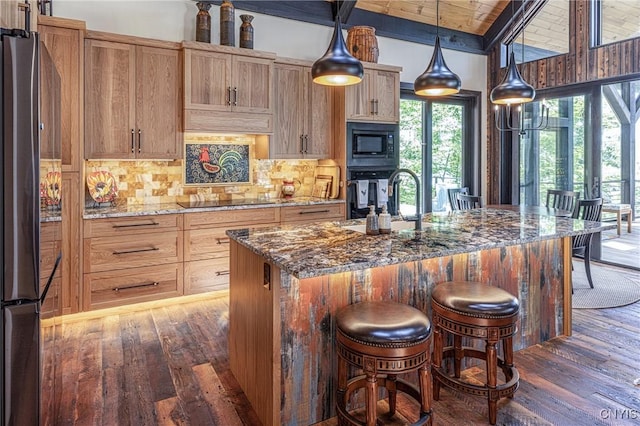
pixel 372 222
pixel 384 221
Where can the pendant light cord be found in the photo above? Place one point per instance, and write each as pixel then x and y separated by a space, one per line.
pixel 437 18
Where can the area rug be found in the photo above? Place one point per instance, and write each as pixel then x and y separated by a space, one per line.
pixel 612 288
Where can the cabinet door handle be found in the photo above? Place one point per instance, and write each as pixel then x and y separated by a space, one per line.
pixel 139 141
pixel 373 106
pixel 135 250
pixel 222 241
pixel 313 211
pixel 235 96
pixel 306 144
pixel 376 104
pixel 133 143
pixel 301 144
pixel 130 287
pixel 131 225
pixel 229 95
pixel 219 273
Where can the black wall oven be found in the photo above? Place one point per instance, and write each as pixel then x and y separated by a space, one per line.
pixel 372 154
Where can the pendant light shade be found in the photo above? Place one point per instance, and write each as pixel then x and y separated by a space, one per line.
pixel 437 79
pixel 513 89
pixel 337 67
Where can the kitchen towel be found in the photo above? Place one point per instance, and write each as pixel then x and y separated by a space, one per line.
pixel 362 188
pixel 383 192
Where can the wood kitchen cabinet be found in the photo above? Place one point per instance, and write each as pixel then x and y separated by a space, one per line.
pixel 206 245
pixel 312 213
pixel 50 246
pixel 377 97
pixel 132 259
pixel 227 89
pixel 132 98
pixel 303 113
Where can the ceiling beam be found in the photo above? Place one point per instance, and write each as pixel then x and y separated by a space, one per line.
pixel 320 12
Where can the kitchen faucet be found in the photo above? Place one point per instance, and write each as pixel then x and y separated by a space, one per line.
pixel 392 179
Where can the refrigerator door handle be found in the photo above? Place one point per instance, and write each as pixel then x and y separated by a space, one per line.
pixel 46 287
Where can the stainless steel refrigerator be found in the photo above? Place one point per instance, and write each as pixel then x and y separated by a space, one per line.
pixel 20 228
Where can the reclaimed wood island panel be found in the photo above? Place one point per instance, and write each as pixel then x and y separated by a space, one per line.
pixel 287 282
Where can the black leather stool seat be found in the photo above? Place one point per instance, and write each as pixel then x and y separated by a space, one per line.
pixel 475 299
pixel 382 340
pixel 474 310
pixel 383 323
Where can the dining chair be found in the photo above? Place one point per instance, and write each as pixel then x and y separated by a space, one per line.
pixel 468 202
pixel 452 193
pixel 581 244
pixel 562 200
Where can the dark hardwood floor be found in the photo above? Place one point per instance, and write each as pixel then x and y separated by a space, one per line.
pixel 167 364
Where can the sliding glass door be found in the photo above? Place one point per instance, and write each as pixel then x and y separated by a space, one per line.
pixel 589 146
pixel 438 141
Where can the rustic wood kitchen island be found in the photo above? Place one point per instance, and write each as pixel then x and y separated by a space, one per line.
pixel 287 282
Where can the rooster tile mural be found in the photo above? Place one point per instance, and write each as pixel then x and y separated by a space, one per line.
pixel 210 164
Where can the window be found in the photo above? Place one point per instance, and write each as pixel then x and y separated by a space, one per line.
pixel 546 34
pixel 620 20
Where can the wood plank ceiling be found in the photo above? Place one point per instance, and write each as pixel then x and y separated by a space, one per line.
pixel 466 25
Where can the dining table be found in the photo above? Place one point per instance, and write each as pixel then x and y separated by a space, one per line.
pixel 541 210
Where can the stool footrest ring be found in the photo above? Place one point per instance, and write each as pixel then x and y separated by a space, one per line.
pixel 358 382
pixel 506 389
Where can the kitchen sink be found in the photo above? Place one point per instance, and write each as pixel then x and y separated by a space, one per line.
pixel 397 225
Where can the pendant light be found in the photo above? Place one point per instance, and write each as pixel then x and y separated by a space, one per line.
pixel 337 67
pixel 513 89
pixel 437 79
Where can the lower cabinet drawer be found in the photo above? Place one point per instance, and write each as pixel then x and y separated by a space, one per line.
pixel 124 286
pixel 107 253
pixel 206 275
pixel 313 213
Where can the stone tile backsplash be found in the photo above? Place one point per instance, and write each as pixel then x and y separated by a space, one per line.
pixel 162 181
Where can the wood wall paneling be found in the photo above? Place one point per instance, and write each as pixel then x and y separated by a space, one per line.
pixel 582 64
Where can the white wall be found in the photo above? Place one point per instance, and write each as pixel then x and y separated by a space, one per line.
pixel 174 20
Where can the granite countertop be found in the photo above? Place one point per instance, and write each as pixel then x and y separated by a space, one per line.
pixel 203 206
pixel 326 248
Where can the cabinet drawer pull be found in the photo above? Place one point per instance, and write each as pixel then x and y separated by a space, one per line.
pixel 218 273
pixel 130 287
pixel 136 250
pixel 133 143
pixel 222 240
pixel 131 225
pixel 313 211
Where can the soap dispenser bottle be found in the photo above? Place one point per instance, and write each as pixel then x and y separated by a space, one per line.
pixel 372 222
pixel 384 221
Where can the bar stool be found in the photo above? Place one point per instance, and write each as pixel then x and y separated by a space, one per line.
pixel 480 311
pixel 382 338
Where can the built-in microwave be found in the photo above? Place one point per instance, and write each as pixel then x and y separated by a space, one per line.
pixel 372 145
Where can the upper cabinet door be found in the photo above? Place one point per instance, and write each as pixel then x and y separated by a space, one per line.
pixel 109 99
pixel 387 96
pixel 376 97
pixel 207 80
pixel 319 141
pixel 359 103
pixel 290 107
pixel 65 47
pixel 158 107
pixel 252 89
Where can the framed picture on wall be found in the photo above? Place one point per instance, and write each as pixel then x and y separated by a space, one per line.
pixel 217 163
